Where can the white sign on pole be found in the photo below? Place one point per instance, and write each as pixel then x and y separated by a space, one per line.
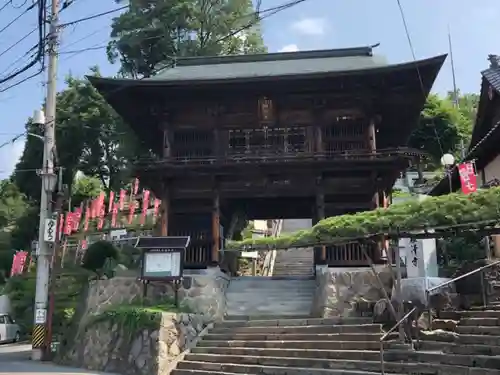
pixel 49 234
pixel 40 316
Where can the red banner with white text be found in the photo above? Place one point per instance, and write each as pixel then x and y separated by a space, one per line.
pixel 468 178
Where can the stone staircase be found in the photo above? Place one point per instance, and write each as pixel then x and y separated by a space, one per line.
pixel 296 345
pixel 249 296
pixel 474 332
pixel 294 262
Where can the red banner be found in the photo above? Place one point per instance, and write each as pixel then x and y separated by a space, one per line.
pixel 18 263
pixel 135 186
pixel 87 218
pixel 156 207
pixel 145 205
pixel 468 178
pixel 131 212
pixel 68 227
pixel 111 200
pixel 123 195
pixel 114 216
pixel 77 217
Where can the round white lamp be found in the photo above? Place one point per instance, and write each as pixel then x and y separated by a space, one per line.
pixel 447 160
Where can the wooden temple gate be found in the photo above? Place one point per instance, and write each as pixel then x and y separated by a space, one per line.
pixel 301 144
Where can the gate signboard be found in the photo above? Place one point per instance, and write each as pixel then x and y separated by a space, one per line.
pixel 162 257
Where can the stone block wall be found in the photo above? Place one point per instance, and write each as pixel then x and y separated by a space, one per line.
pixel 338 291
pixel 109 347
pixel 204 293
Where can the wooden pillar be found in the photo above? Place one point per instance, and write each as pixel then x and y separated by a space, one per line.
pixel 165 211
pixel 318 133
pixel 216 227
pixel 320 211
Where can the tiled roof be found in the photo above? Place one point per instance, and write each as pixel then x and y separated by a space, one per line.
pixel 492 75
pixel 271 65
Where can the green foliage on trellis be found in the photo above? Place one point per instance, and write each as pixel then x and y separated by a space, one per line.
pixel 473 210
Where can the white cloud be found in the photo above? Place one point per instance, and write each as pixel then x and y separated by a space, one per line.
pixel 289 48
pixel 9 156
pixel 310 26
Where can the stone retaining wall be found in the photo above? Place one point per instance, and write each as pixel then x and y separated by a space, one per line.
pixel 108 347
pixel 339 291
pixel 204 293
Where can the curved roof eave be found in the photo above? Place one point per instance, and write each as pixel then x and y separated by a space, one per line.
pixel 437 61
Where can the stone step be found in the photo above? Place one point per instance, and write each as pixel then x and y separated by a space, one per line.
pixel 491 307
pixel 470 360
pixel 270 370
pixel 244 318
pixel 249 337
pixel 479 339
pixel 479 322
pixel 311 329
pixel 268 305
pixel 281 352
pixel 476 349
pixel 455 315
pixel 479 330
pixel 297 322
pixel 299 346
pixel 282 294
pixel 249 364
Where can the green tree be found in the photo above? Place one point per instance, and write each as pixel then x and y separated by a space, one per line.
pixel 467 106
pixel 151 33
pixel 12 203
pixel 85 188
pixel 438 131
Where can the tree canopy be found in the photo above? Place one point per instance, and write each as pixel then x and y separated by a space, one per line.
pixel 152 33
pixel 410 216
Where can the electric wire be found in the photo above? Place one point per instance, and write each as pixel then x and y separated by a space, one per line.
pixel 94 16
pixel 412 49
pixel 40 55
pixel 261 15
pixel 18 17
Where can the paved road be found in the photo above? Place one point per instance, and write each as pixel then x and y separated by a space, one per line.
pixel 15 360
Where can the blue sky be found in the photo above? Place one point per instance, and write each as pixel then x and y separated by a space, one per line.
pixel 314 24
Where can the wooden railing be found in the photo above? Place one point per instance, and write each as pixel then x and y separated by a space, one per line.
pixel 350 255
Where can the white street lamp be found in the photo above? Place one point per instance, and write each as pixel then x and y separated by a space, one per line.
pixel 447 160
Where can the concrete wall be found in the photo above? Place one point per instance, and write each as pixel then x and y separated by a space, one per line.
pixel 294 225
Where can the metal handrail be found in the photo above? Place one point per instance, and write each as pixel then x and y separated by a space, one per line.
pixel 462 276
pixel 483 291
pixel 381 341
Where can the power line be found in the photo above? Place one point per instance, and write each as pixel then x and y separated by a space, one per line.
pixel 261 15
pixel 93 16
pixel 18 17
pixel 41 35
pixel 422 87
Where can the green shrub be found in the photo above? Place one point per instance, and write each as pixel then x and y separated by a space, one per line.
pixel 434 212
pixel 98 255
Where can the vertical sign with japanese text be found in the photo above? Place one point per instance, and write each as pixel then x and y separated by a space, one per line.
pixel 468 178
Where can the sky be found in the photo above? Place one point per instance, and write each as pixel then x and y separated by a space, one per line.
pixel 313 24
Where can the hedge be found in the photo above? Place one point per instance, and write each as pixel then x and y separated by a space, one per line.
pixel 476 209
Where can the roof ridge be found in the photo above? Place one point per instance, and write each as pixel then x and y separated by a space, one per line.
pixel 276 56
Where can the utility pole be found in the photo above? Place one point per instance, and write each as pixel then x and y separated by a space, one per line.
pixel 49 180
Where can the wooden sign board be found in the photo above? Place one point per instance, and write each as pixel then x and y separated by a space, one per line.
pixel 162 257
